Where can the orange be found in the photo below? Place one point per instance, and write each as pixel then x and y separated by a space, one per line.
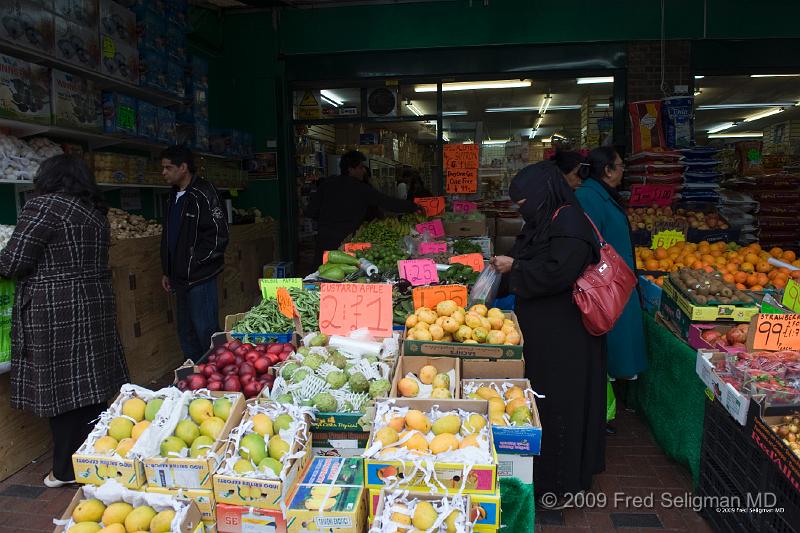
pixel 740 286
pixel 789 256
pixel 660 281
pixel 720 260
pixel 660 253
pixel 784 270
pixel 708 269
pixel 780 278
pixel 646 253
pixel 757 288
pixel 747 267
pixel 650 277
pixel 776 252
pixel 779 283
pixel 697 265
pixel 665 265
pixel 740 277
pixel 755 247
pixel 728 277
pixel 796 263
pixel 707 258
pixel 762 279
pixel 751 258
pixel 691 259
pixel 772 274
pixel 763 266
pixel 752 279
pixel 651 264
pixel 732 268
pixel 795 274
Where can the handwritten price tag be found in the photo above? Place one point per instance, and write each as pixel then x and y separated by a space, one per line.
pixel 355 246
pixel 461 168
pixel 434 227
pixel 777 332
pixel 426 248
pixel 418 271
pixel 345 307
pixel 462 206
pixel 285 303
pixel 791 296
pixel 433 205
pixel 430 296
pixel 269 286
pixel 473 260
pixel 647 195
pixel 667 238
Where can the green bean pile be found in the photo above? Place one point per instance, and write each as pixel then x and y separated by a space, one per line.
pixel 267 318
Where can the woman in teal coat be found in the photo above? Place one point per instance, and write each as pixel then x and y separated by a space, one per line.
pixel 600 200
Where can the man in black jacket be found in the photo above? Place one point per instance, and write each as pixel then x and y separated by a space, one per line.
pixel 192 250
pixel 341 203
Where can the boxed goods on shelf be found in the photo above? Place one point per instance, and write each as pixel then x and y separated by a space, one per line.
pixel 119 60
pixel 166 125
pixel 207 424
pixel 153 69
pixel 116 446
pixel 24 90
pixel 112 503
pixel 147 121
pixel 118 22
pixel 76 102
pixel 425 512
pixel 77 43
pixel 151 29
pixel 176 79
pixel 83 12
pixel 27 23
pixel 420 376
pixel 407 459
pixel 241 519
pixel 119 113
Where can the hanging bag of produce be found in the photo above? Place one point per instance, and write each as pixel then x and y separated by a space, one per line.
pixel 486 287
pixel 6 307
pixel 603 290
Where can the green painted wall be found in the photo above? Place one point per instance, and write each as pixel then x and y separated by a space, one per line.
pixel 8 205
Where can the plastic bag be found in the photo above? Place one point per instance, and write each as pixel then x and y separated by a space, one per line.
pixel 6 307
pixel 485 288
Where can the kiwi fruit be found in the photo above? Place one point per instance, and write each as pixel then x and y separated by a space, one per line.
pixel 701 300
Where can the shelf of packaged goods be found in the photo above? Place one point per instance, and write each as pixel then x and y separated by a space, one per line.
pixel 101 80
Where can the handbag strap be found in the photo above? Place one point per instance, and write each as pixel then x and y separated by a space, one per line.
pixel 596 231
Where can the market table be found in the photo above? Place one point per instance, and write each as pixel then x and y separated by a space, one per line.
pixel 671 396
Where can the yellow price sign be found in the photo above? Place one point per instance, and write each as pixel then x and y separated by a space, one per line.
pixel 791 296
pixel 269 286
pixel 667 238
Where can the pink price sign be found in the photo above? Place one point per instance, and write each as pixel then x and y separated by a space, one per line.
pixel 434 227
pixel 462 206
pixel 426 248
pixel 648 195
pixel 418 271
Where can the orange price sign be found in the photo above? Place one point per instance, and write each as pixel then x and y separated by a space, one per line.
pixel 433 205
pixel 472 260
pixel 344 307
pixel 430 296
pixel 461 168
pixel 285 302
pixel 355 246
pixel 777 332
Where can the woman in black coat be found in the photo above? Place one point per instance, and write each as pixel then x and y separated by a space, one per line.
pixel 66 358
pixel 563 361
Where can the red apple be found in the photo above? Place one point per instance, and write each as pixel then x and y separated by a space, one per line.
pixel 220 349
pixel 246 368
pixel 214 385
pixel 275 348
pixel 273 358
pixel 195 381
pixel 232 384
pixel 209 370
pixel 267 380
pixel 243 349
pixel 252 389
pixel 200 367
pixel 238 360
pixel 212 359
pixel 247 378
pixel 233 345
pixel 225 358
pixel 284 355
pixel 230 369
pixel 262 364
pixel 216 376
pixel 251 356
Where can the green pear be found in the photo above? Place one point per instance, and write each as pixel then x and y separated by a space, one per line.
pixel 201 446
pixel 200 410
pixel 187 431
pixel 272 464
pixel 172 446
pixel 243 466
pixel 253 448
pixel 278 447
pixel 222 408
pixel 212 427
pixel 282 422
pixel 152 409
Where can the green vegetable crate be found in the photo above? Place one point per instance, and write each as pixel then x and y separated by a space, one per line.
pixel 467 351
pixel 265 337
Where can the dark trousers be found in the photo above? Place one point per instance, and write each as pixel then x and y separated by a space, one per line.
pixel 69 431
pixel 198 317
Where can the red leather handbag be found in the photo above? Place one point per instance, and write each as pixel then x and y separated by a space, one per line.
pixel 603 290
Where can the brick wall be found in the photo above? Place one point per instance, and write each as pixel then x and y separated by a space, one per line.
pixel 644 68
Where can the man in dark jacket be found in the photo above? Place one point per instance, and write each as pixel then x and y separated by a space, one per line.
pixel 341 203
pixel 192 250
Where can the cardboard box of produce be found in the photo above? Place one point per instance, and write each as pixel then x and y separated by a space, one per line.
pixel 191 522
pixel 696 340
pixel 736 403
pixel 94 468
pixel 238 519
pixel 489 369
pixel 414 363
pixel 189 473
pixel 651 294
pixel 466 228
pixel 340 443
pixel 232 320
pixel 447 477
pixel 680 323
pixel 513 465
pixel 475 351
pixel 236 489
pixel 24 91
pixel 784 459
pixel 708 313
pixel 203 498
pixel 523 439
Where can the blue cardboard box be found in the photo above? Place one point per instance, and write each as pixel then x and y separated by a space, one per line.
pixel 119 113
pixel 166 126
pixel 651 295
pixel 147 123
pixel 153 70
pixel 521 440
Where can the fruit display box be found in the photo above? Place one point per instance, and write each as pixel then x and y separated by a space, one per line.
pixel 490 369
pixel 707 313
pixel 93 468
pixel 696 340
pixel 414 363
pixel 651 294
pixel 329 494
pixel 466 228
pixel 444 477
pixel 190 522
pixel 524 440
pixel 380 498
pixel 232 320
pixel 189 473
pixel 239 519
pixel 484 509
pixel 203 498
pixel 259 493
pixel 475 351
pixel 736 403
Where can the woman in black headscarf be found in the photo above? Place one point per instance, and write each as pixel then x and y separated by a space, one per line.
pixel 563 361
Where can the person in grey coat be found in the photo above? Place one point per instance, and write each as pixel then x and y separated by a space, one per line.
pixel 66 357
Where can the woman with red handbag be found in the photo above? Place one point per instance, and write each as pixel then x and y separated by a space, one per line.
pixel 564 362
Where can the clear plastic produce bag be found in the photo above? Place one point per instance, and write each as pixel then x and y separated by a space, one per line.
pixel 485 288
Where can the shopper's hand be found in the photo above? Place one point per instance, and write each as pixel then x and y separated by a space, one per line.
pixel 165 283
pixel 502 263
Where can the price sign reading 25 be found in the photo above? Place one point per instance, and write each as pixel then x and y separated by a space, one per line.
pixel 418 271
pixel 345 307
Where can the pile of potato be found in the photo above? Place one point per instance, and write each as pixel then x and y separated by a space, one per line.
pixel 127 226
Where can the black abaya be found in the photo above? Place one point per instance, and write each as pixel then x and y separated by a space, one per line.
pixel 563 361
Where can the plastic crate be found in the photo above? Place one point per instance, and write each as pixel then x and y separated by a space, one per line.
pixel 263 337
pixel 716 483
pixel 788 498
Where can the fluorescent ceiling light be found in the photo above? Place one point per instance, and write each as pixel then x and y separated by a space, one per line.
pixel 721 127
pixel 697 92
pixel 545 104
pixel 743 106
pixel 553 137
pixel 530 108
pixel 534 131
pixel 329 101
pixel 473 85
pixel 774 75
pixel 538 123
pixel 414 109
pixel 454 113
pixel 736 135
pixel 599 79
pixel 603 106
pixel 333 98
pixel 496 141
pixel 764 114
pixel 445 138
pixel 699 77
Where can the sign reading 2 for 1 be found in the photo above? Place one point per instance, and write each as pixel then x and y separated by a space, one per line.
pixel 345 307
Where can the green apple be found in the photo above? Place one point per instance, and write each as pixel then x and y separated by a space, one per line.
pixel 187 431
pixel 252 447
pixel 200 410
pixel 172 446
pixel 222 408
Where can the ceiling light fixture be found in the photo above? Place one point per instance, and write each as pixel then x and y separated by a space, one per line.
pixel 764 114
pixel 545 104
pixel 743 106
pixel 774 75
pixel 534 131
pixel 495 141
pixel 538 123
pixel 603 106
pixel 720 127
pixel 736 135
pixel 454 113
pixel 331 97
pixel 445 138
pixel 597 79
pixel 473 85
pixel 697 92
pixel 329 101
pixel 414 109
pixel 530 108
pixel 699 77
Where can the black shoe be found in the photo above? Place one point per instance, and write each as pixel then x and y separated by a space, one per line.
pixel 610 429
